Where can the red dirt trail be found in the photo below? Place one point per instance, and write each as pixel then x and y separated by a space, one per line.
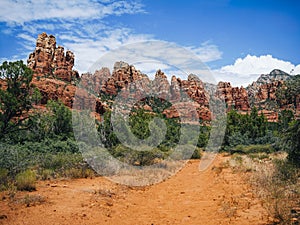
pixel 215 196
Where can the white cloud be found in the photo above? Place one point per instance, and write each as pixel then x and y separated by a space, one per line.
pixel 171 58
pixel 81 26
pixel 21 11
pixel 258 65
pixel 207 52
pixel 246 70
pixel 78 25
pixel 11 59
pixel 88 50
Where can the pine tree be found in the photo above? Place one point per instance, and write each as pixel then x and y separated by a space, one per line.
pixel 15 78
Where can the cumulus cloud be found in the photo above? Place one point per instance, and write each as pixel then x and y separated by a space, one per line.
pixel 258 64
pixel 246 70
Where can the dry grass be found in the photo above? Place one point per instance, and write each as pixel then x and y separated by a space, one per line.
pixel 274 182
pixel 26 181
pixel 147 175
pixel 32 200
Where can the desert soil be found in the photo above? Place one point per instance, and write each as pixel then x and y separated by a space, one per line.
pixel 215 196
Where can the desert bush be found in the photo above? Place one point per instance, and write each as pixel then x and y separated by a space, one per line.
pixel 60 161
pixel 134 157
pixel 275 187
pixel 15 158
pixel 26 180
pixel 248 149
pixel 49 154
pixel 32 200
pixel 259 156
pixel 46 174
pixel 286 171
pixel 79 173
pixel 3 178
pixel 275 181
pixel 197 154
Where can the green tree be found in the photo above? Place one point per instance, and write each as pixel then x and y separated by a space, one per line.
pixel 36 96
pixel 285 117
pixel 292 141
pixel 106 133
pixel 258 124
pixel 15 78
pixel 244 129
pixel 62 118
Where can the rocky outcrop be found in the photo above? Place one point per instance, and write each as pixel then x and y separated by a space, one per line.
pixel 266 85
pixel 262 93
pixel 161 85
pixel 235 97
pixel 47 60
pixel 124 76
pixel 182 91
pixel 52 89
pixel 54 76
pixel 134 88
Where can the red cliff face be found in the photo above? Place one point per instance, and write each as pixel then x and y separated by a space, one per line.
pixel 182 91
pixel 235 97
pixel 50 61
pixel 54 75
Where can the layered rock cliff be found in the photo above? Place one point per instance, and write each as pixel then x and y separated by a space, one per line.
pixel 54 77
pixel 235 97
pixel 48 60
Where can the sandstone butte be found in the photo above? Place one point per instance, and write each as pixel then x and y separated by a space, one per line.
pixel 55 78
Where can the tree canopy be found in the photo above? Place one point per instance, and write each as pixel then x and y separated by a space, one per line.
pixel 15 78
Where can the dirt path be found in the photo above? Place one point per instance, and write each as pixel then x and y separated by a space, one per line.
pixel 216 196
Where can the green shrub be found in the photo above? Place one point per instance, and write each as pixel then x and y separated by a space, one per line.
pixel 247 149
pixel 197 154
pixel 292 142
pixel 47 174
pixel 286 171
pixel 76 173
pixel 260 156
pixel 3 178
pixel 15 158
pixel 3 175
pixel 134 157
pixel 26 180
pixel 60 161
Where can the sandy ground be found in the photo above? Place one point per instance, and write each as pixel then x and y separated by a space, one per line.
pixel 215 196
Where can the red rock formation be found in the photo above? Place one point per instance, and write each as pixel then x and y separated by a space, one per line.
pixel 53 75
pixel 271 115
pixel 235 98
pixel 183 91
pixel 161 85
pixel 47 60
pixel 175 89
pixel 268 91
pixel 52 89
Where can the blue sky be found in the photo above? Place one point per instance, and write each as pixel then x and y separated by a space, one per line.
pixel 237 39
